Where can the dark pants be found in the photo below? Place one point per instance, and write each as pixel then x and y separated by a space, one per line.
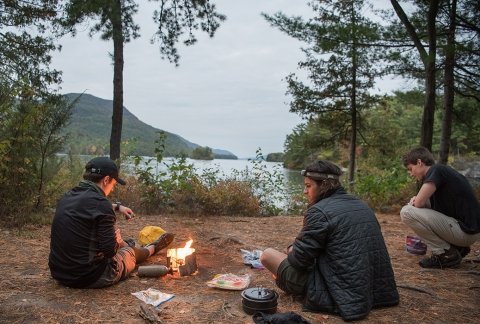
pixel 291 280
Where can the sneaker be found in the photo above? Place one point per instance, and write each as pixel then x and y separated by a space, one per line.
pixel 415 245
pixel 162 242
pixel 464 250
pixel 130 242
pixel 449 258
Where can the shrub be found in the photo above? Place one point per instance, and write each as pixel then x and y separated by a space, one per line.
pixel 228 197
pixel 384 190
pixel 177 187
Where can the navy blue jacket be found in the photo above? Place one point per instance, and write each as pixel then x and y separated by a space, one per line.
pixel 342 246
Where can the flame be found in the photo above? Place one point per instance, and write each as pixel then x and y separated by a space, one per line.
pixel 183 252
pixel 178 255
pixel 188 244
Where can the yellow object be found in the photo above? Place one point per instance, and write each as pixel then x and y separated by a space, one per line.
pixel 149 234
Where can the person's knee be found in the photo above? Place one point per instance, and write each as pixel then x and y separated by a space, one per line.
pixel 126 256
pixel 266 256
pixel 407 214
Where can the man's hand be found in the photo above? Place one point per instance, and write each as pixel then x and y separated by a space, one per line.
pixel 127 212
pixel 412 201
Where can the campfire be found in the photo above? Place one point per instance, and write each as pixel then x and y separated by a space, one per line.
pixel 182 260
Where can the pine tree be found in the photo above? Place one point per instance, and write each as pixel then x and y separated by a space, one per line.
pixel 342 63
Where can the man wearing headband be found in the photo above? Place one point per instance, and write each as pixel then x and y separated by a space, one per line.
pixel 86 251
pixel 338 263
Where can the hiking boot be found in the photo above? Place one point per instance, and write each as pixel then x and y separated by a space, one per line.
pixel 162 242
pixel 463 250
pixel 449 258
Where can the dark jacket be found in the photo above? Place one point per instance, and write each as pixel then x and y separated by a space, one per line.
pixel 82 236
pixel 342 243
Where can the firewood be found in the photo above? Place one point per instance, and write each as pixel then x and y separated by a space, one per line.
pixel 149 314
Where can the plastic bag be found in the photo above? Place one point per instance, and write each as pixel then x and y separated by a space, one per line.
pixel 149 234
pixel 153 296
pixel 230 281
pixel 252 258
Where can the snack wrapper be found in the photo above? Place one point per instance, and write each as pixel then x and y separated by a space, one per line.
pixel 230 281
pixel 153 296
pixel 252 258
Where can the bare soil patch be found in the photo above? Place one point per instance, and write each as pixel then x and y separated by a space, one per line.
pixel 29 295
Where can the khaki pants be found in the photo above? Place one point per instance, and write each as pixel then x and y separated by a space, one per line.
pixel 118 269
pixel 436 229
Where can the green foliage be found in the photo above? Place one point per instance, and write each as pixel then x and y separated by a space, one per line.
pixel 159 180
pixel 267 186
pixel 30 138
pixel 317 139
pixel 342 62
pixel 202 153
pixel 24 47
pixel 177 186
pixel 178 18
pixel 227 197
pixel 466 130
pixel 275 157
pixel 389 129
pixel 386 189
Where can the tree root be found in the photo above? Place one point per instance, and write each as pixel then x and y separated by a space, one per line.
pixel 416 288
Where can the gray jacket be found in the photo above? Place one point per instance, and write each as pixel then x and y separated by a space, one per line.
pixel 342 246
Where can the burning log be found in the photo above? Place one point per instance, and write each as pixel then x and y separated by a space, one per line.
pixel 190 265
pixel 183 260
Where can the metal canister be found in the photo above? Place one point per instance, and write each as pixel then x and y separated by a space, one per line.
pixel 155 270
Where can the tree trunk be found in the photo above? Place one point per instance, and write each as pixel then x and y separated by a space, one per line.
pixel 428 108
pixel 430 82
pixel 448 88
pixel 428 60
pixel 117 114
pixel 353 98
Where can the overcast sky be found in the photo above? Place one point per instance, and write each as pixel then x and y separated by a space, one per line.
pixel 228 91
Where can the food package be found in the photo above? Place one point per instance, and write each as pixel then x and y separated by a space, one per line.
pixel 229 281
pixel 153 296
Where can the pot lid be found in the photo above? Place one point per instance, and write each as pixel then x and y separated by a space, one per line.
pixel 259 293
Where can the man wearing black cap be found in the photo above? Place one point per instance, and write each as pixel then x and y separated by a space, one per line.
pixel 338 262
pixel 86 251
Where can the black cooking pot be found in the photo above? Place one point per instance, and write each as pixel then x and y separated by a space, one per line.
pixel 259 300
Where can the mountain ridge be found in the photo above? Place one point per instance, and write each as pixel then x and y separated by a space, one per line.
pixel 90 126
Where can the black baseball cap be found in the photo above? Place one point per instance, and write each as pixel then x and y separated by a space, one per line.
pixel 105 166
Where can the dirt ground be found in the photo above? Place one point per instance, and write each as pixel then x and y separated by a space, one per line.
pixel 29 295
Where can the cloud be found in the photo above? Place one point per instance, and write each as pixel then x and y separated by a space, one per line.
pixel 228 91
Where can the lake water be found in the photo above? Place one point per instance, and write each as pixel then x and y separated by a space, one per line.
pixel 293 179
